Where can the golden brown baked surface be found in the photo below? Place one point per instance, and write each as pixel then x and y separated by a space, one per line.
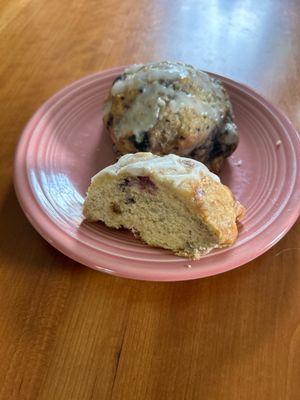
pixel 171 108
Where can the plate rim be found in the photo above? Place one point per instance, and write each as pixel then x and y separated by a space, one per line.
pixel 32 207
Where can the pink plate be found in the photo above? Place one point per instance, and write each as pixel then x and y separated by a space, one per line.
pixel 64 145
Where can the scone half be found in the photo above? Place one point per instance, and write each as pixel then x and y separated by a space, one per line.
pixel 171 202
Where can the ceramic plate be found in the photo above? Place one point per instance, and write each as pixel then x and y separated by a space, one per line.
pixel 64 145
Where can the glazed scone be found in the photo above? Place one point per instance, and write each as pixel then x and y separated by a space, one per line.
pixel 171 202
pixel 171 108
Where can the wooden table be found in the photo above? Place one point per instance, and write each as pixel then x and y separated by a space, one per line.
pixel 68 332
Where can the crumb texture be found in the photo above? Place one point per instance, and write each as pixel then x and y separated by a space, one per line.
pixel 140 193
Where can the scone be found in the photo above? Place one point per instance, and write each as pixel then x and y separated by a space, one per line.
pixel 170 202
pixel 171 108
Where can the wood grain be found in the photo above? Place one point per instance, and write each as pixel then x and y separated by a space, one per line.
pixel 67 332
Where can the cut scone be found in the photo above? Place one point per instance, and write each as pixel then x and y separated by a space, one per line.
pixel 169 201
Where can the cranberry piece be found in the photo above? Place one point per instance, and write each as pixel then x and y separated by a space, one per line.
pixel 146 183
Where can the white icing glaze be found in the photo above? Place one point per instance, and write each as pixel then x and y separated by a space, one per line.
pixel 231 136
pixel 133 68
pixel 107 106
pixel 145 110
pixel 182 99
pixel 138 77
pixel 143 113
pixel 161 102
pixel 208 85
pixel 170 168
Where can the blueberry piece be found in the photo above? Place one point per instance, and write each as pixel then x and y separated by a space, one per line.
pixel 142 145
pixel 110 120
pixel 217 149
